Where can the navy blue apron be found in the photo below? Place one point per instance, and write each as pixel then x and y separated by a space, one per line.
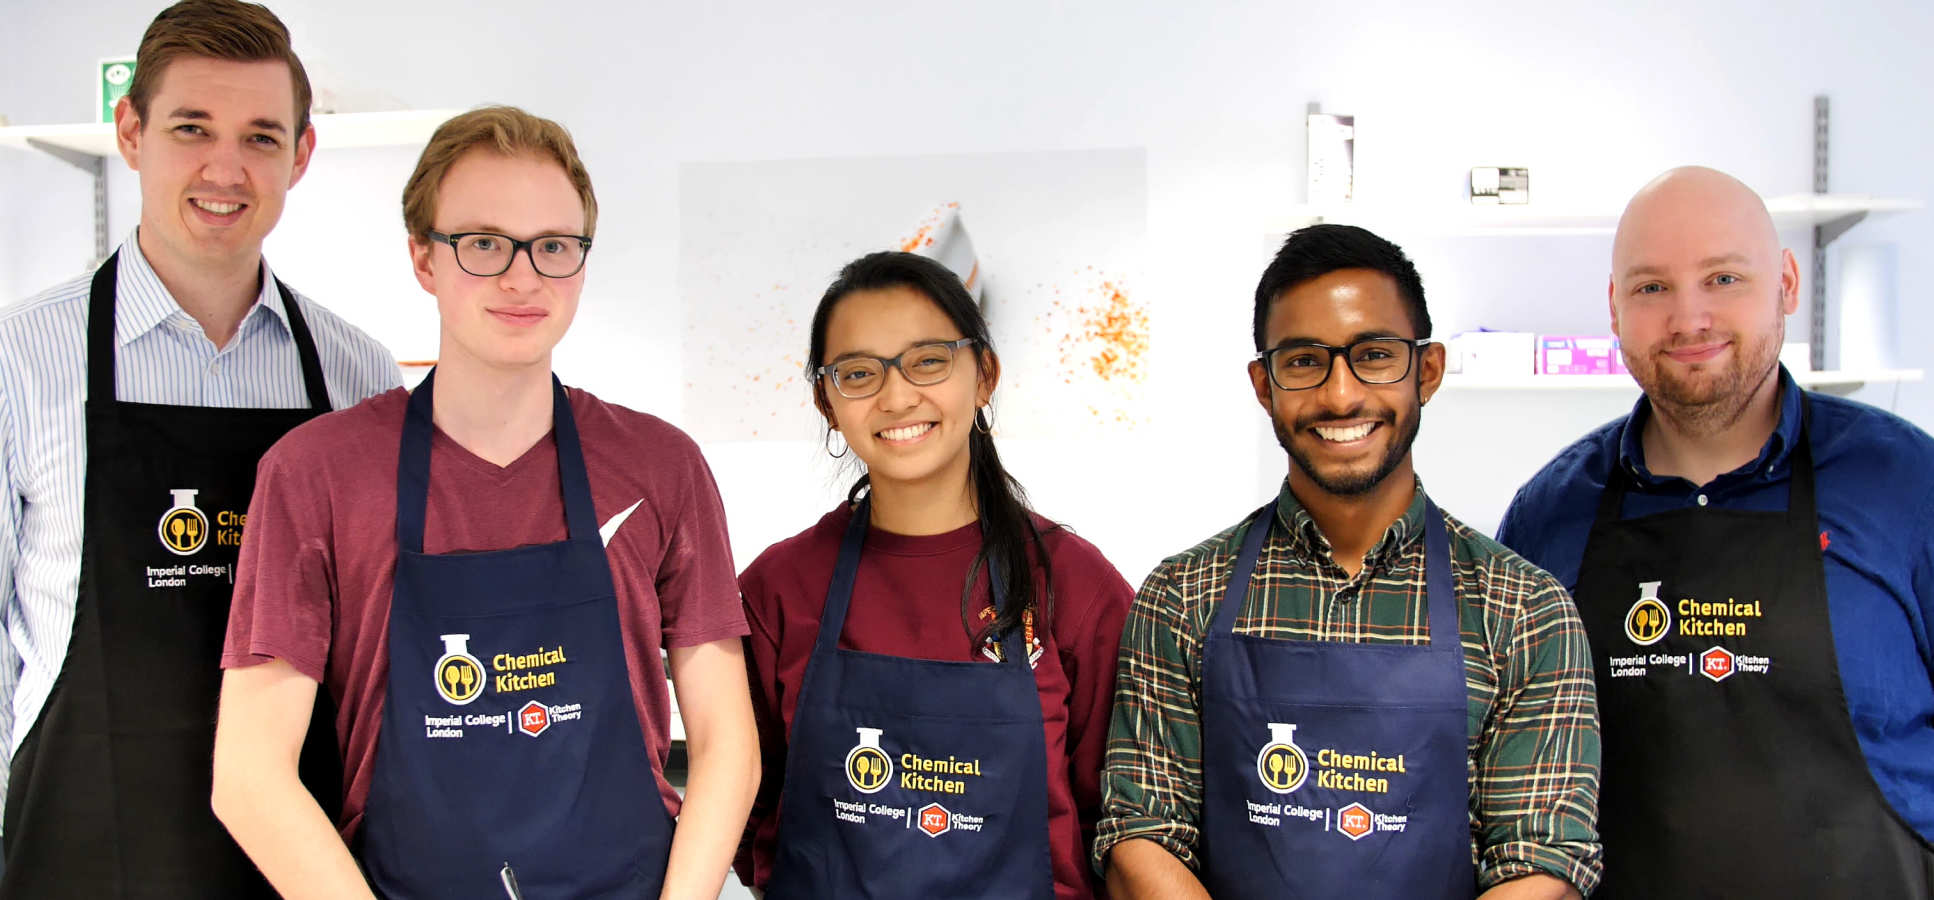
pixel 912 778
pixel 509 736
pixel 1336 769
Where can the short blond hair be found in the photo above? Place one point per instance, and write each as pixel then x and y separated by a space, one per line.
pixel 506 131
pixel 217 29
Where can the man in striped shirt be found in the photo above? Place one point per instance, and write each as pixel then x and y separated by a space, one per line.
pixel 134 402
pixel 1350 693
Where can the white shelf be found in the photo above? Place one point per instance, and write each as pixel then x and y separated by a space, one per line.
pixel 1844 378
pixel 1791 211
pixel 333 132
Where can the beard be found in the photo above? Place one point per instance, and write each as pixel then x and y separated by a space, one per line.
pixel 1715 397
pixel 1344 482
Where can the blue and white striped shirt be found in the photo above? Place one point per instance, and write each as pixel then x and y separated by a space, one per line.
pixel 163 357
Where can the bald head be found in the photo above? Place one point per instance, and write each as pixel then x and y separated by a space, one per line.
pixel 1700 291
pixel 1693 207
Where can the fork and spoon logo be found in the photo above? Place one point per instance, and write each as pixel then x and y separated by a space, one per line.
pixel 867 765
pixel 184 527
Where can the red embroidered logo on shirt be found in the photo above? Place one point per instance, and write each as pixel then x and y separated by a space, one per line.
pixel 1824 542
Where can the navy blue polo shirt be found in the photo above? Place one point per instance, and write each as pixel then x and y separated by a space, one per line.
pixel 1875 490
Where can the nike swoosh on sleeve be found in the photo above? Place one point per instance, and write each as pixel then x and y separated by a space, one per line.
pixel 610 527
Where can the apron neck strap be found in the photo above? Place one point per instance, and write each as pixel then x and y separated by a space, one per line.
pixel 1446 634
pixel 1237 589
pixel 100 338
pixel 1445 625
pixel 413 467
pixel 839 595
pixel 1800 503
pixel 305 348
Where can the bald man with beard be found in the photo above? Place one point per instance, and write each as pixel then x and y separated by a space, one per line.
pixel 1754 565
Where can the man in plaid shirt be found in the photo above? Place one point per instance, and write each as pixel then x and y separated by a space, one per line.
pixel 1314 734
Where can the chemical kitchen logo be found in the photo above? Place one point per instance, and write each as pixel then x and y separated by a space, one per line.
pixel 184 527
pixel 867 767
pixel 1648 621
pixel 459 676
pixel 1281 764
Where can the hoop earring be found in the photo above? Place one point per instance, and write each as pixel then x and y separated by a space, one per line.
pixel 843 446
pixel 984 424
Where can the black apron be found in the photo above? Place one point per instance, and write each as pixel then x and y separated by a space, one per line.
pixel 1730 763
pixel 110 790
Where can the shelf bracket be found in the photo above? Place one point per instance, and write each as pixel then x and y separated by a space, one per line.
pixel 1823 235
pixel 1827 232
pixel 95 166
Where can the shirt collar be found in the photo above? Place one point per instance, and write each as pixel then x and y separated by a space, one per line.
pixel 1306 538
pixel 1778 447
pixel 142 302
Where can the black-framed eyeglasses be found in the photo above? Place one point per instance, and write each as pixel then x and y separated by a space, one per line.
pixel 487 254
pixel 1300 367
pixel 860 377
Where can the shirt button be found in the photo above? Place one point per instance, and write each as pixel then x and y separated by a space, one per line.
pixel 1702 499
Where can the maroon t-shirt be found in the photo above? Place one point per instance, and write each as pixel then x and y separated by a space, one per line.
pixel 906 602
pixel 319 556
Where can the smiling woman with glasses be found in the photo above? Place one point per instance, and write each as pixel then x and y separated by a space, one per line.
pixel 931 656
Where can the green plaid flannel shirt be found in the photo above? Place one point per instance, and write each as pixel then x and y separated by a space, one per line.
pixel 1533 717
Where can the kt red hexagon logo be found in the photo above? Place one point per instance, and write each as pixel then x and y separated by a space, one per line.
pixel 935 820
pixel 1353 821
pixel 1716 664
pixel 534 719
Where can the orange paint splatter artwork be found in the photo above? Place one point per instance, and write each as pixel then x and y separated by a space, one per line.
pixel 1111 338
pixel 1101 346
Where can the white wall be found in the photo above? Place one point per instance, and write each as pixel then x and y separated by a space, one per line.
pixel 1595 99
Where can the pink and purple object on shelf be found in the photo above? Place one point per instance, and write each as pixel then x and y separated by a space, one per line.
pixel 1579 355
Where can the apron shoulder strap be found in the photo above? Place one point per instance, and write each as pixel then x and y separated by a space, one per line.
pixel 1446 626
pixel 305 347
pixel 1237 589
pixel 413 467
pixel 839 594
pixel 100 330
pixel 579 514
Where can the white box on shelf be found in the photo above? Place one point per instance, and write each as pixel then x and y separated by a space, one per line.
pixel 1493 353
pixel 1332 158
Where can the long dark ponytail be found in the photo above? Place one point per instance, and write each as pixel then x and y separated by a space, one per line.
pixel 1009 537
